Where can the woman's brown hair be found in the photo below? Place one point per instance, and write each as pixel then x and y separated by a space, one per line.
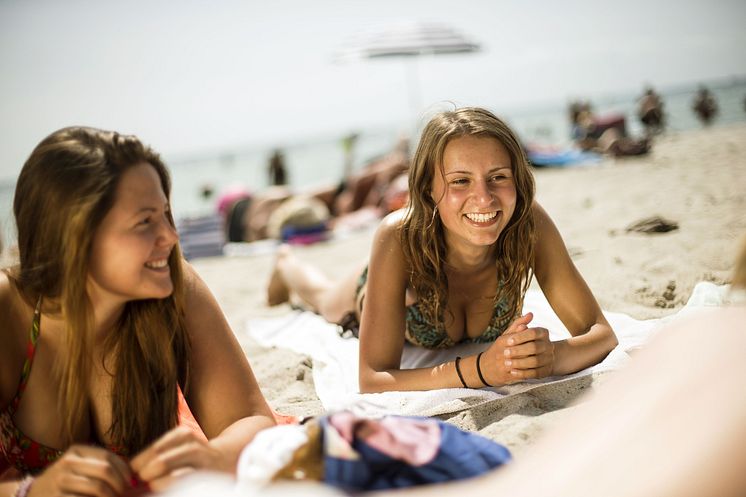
pixel 64 190
pixel 422 233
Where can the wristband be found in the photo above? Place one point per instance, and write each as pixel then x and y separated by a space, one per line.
pixel 479 371
pixel 24 487
pixel 458 372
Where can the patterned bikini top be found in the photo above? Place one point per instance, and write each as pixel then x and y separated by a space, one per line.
pixel 28 456
pixel 16 449
pixel 422 332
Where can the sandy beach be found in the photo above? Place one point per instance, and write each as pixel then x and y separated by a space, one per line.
pixel 695 179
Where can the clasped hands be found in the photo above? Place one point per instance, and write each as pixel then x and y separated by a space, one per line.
pixel 93 471
pixel 520 353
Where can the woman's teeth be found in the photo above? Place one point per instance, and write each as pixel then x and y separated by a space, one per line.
pixel 481 218
pixel 157 264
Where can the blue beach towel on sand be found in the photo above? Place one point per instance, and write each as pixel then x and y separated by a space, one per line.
pixel 562 158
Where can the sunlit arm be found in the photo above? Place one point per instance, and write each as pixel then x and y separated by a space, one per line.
pixel 571 299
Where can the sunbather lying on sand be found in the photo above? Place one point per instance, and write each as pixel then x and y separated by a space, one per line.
pixel 454 268
pixel 670 425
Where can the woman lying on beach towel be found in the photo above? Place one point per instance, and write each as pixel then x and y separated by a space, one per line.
pixel 677 412
pixel 454 266
pixel 116 341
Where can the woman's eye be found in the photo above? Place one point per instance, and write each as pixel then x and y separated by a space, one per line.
pixel 144 221
pixel 460 181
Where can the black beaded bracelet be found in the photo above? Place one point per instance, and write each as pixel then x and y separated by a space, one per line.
pixel 479 370
pixel 458 372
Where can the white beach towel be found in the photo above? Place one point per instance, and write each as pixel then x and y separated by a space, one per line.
pixel 335 359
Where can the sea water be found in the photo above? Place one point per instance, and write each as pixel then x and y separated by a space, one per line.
pixel 318 162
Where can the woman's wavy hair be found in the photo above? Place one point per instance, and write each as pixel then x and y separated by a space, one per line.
pixel 422 232
pixel 64 190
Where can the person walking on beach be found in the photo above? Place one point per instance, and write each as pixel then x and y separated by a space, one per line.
pixel 705 106
pixel 128 369
pixel 454 266
pixel 278 174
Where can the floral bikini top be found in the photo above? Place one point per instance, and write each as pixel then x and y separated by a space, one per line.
pixel 420 331
pixel 16 449
pixel 423 333
pixel 28 456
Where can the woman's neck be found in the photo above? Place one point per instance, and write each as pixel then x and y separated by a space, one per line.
pixel 468 259
pixel 105 316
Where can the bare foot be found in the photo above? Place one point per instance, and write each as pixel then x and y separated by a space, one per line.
pixel 277 291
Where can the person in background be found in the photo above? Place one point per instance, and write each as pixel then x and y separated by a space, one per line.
pixel 705 106
pixel 116 364
pixel 348 148
pixel 650 112
pixel 606 136
pixel 361 198
pixel 277 170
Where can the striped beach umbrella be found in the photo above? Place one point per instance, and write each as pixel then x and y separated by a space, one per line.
pixel 406 40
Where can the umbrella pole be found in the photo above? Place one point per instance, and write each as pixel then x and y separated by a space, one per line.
pixel 413 88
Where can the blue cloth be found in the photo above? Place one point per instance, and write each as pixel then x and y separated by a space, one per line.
pixel 459 455
pixel 562 158
pixel 290 232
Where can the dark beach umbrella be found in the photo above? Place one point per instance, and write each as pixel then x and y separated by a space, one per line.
pixel 407 41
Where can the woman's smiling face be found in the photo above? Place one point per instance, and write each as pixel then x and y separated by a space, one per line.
pixel 474 190
pixel 131 247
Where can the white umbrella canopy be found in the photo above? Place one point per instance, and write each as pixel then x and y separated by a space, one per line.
pixel 406 40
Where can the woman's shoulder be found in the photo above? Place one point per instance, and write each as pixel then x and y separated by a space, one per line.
pixel 542 221
pixel 388 233
pixel 195 289
pixel 394 220
pixel 13 336
pixel 538 212
pixel 8 297
pixel 200 305
pixel 13 305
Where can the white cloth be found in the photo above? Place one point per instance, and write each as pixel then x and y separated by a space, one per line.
pixel 269 452
pixel 335 359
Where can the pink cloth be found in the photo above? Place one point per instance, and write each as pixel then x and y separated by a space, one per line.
pixel 230 197
pixel 414 441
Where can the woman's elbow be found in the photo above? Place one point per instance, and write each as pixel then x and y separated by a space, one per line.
pixel 612 340
pixel 369 382
pixel 609 342
pixel 366 383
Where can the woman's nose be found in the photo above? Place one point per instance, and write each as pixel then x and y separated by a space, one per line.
pixel 168 234
pixel 483 193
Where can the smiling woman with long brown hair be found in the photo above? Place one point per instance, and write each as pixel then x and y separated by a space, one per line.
pixel 126 363
pixel 453 267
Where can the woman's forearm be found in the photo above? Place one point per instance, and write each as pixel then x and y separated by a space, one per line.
pixel 441 376
pixel 8 488
pixel 582 351
pixel 235 437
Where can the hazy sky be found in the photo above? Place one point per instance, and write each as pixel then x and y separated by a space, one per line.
pixel 191 76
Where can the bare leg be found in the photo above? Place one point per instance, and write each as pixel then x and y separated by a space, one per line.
pixel 277 290
pixel 331 299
